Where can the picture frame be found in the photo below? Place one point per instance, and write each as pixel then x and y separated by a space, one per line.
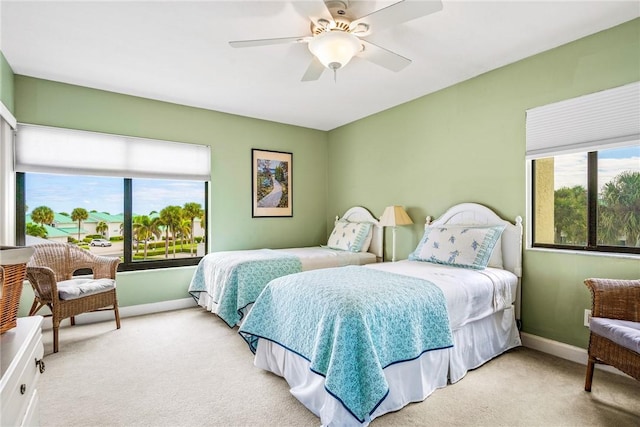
pixel 271 188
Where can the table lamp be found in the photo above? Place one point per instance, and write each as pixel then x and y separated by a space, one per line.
pixel 392 217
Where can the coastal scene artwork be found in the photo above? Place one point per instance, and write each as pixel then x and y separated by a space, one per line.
pixel 271 194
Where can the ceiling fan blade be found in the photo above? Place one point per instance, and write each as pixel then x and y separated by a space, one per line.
pixel 314 9
pixel 266 42
pixel 397 13
pixel 314 71
pixel 383 57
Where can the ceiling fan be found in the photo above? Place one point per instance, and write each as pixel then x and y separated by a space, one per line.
pixel 337 36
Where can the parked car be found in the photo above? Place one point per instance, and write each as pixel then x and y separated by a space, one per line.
pixel 100 242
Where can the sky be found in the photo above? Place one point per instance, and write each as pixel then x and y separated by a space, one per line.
pixel 571 169
pixel 64 193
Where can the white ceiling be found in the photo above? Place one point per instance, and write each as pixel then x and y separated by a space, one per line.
pixel 178 51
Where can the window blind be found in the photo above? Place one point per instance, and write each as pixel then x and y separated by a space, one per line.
pixel 605 119
pixel 56 150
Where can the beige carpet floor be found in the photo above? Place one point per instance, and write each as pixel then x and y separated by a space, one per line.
pixel 187 368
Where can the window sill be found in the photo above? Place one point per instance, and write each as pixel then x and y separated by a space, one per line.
pixel 156 269
pixel 158 265
pixel 586 253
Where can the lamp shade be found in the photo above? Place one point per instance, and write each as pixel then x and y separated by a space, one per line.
pixel 334 49
pixel 393 216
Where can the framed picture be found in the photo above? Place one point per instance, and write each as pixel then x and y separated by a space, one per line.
pixel 271 173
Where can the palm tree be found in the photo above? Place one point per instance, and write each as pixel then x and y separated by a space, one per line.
pixel 42 215
pixel 36 230
pixel 79 214
pixel 191 211
pixel 184 231
pixel 144 228
pixel 170 217
pixel 619 210
pixel 203 223
pixel 102 227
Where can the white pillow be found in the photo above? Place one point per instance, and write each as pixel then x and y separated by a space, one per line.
pixel 349 236
pixel 461 246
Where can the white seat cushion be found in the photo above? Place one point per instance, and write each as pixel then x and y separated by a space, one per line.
pixel 622 332
pixel 78 288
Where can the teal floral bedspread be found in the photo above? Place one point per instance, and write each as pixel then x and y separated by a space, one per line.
pixel 234 279
pixel 350 323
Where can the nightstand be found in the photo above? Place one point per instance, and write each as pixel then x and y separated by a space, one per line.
pixel 21 365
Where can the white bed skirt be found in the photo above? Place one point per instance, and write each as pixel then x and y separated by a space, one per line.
pixel 205 301
pixel 412 381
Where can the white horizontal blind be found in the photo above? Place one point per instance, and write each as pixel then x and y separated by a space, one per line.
pixel 56 150
pixel 599 120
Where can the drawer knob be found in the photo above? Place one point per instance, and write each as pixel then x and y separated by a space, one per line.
pixel 23 388
pixel 40 365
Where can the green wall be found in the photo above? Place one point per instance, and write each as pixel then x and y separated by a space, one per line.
pixel 231 139
pixel 466 143
pixel 6 83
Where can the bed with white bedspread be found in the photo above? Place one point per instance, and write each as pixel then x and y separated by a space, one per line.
pixel 228 282
pixel 357 342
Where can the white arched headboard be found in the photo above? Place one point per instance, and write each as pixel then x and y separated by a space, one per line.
pixel 360 214
pixel 511 240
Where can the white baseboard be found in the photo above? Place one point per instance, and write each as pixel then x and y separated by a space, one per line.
pixel 128 311
pixel 562 350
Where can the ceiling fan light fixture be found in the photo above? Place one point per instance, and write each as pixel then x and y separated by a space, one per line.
pixel 334 49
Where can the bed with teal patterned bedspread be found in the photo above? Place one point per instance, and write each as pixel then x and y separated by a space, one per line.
pixel 233 280
pixel 350 323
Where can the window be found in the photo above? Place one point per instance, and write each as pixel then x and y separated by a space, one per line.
pixel 148 222
pixel 588 201
pixel 167 219
pixel 584 158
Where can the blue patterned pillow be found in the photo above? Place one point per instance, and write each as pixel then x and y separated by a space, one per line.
pixel 349 236
pixel 461 246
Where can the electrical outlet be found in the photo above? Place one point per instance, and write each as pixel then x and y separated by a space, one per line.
pixel 587 317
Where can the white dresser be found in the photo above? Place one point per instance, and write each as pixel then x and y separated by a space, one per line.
pixel 21 353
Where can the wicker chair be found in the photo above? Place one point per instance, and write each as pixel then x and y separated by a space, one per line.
pixel 615 329
pixel 50 272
